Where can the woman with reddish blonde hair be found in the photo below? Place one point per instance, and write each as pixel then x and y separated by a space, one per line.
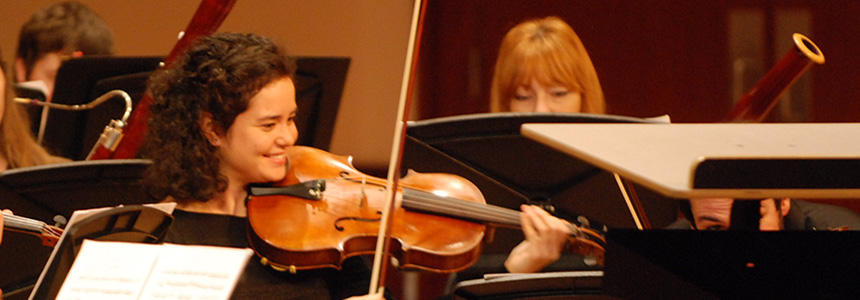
pixel 543 67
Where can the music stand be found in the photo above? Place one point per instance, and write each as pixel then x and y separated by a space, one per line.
pixel 42 192
pixel 550 285
pixel 511 170
pixel 133 223
pixel 75 84
pixel 319 86
pixel 687 264
pixel 802 160
pixel 689 161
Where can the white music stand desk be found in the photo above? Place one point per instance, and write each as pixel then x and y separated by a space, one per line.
pixel 690 160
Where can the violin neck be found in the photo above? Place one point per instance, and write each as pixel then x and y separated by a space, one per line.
pixel 49 234
pixel 23 224
pixel 472 211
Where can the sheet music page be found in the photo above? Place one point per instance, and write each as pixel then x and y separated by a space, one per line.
pixel 109 270
pixel 196 272
pixel 120 270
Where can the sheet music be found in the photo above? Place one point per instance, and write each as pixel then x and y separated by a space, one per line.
pixel 109 270
pixel 82 214
pixel 119 271
pixel 196 272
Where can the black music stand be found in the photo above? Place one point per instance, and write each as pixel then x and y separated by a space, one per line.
pixel 134 223
pixel 42 192
pixel 76 81
pixel 511 170
pixel 319 86
pixel 686 264
pixel 551 285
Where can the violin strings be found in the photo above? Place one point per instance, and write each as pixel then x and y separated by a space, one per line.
pixel 458 207
pixel 23 223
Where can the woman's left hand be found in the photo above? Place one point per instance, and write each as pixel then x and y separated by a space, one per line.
pixel 546 237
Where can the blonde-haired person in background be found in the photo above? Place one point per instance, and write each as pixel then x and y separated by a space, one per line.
pixel 18 148
pixel 543 67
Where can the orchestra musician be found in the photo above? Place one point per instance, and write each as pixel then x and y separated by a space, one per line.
pixel 543 67
pixel 19 147
pixel 64 29
pixel 775 214
pixel 222 116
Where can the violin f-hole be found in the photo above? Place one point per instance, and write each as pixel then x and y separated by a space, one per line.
pixel 359 219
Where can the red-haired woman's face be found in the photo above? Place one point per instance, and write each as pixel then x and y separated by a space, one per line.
pixel 536 97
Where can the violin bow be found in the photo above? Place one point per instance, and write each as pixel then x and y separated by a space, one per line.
pixel 383 244
pixel 637 211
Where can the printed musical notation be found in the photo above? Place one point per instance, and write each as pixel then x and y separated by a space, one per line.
pixel 119 270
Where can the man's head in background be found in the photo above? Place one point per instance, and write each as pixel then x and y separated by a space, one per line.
pixel 56 32
pixel 717 213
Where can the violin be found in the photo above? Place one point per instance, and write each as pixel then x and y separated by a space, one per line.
pixel 48 233
pixel 325 211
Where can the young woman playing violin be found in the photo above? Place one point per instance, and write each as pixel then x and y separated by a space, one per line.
pixel 222 117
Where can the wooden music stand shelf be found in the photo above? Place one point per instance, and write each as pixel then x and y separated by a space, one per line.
pixel 743 161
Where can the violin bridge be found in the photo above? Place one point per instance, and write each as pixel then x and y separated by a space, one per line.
pixel 363 200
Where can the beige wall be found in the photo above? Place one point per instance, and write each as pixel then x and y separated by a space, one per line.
pixel 373 33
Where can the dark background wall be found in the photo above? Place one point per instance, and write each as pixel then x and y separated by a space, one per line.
pixel 687 59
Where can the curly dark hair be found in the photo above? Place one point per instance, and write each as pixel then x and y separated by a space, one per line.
pixel 218 75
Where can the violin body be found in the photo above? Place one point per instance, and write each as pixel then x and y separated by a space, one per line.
pixel 295 233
